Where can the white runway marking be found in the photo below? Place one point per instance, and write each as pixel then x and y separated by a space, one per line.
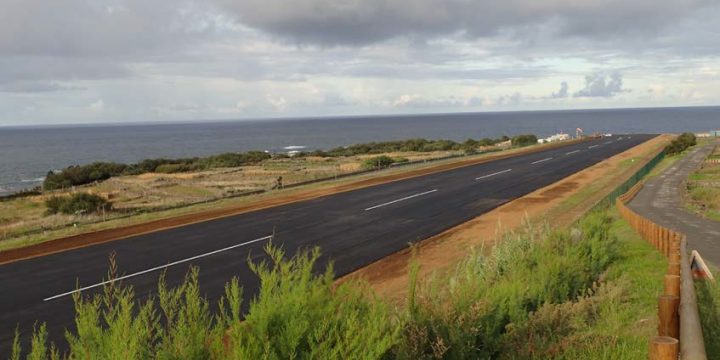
pixel 539 161
pixel 493 174
pixel 608 142
pixel 157 268
pixel 398 200
pixel 593 146
pixel 572 152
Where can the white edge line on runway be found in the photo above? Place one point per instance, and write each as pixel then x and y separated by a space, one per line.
pixel 493 174
pixel 572 152
pixel 593 146
pixel 398 200
pixel 157 268
pixel 539 161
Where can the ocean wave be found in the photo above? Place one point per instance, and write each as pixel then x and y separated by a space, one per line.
pixel 294 147
pixel 33 180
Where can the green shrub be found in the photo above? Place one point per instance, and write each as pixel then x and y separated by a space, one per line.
pixel 377 162
pixel 681 143
pixel 524 140
pixel 414 145
pixel 469 317
pixel 300 315
pixel 234 159
pixel 175 168
pixel 708 295
pixel 80 175
pixel 79 203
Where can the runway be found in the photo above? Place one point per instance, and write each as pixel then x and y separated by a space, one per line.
pixel 353 229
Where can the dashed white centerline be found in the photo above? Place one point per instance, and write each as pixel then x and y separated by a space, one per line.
pixel 572 152
pixel 593 146
pixel 398 200
pixel 539 161
pixel 608 142
pixel 493 174
pixel 157 268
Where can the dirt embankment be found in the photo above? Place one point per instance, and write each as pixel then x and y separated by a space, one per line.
pixel 389 276
pixel 102 236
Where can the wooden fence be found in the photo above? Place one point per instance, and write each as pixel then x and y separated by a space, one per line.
pixel 679 330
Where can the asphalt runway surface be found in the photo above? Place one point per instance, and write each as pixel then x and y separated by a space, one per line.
pixel 353 229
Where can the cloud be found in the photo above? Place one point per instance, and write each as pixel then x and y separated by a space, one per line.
pixel 126 29
pixel 98 105
pixel 602 84
pixel 562 93
pixel 358 22
pixel 36 87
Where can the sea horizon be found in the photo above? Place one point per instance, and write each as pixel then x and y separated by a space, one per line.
pixel 29 152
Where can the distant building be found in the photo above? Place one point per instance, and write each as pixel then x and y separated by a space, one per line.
pixel 554 138
pixel 715 133
pixel 504 144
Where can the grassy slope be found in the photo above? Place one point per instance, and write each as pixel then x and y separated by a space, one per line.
pixel 625 324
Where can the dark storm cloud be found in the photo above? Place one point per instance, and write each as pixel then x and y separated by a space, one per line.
pixel 357 22
pixel 602 84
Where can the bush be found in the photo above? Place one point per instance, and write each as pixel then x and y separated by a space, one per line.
pixel 470 317
pixel 414 145
pixel 377 162
pixel 524 140
pixel 234 159
pixel 80 203
pixel 80 175
pixel 681 143
pixel 176 168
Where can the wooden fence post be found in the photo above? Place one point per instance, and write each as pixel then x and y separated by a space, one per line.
pixel 664 348
pixel 669 324
pixel 672 285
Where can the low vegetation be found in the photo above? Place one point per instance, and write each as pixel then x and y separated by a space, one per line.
pixel 382 161
pixel 681 143
pixel 79 203
pixel 524 140
pixel 99 171
pixel 708 295
pixel 540 293
pixel 703 189
pixel 414 145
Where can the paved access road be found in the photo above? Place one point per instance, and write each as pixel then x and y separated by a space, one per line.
pixel 352 228
pixel 661 201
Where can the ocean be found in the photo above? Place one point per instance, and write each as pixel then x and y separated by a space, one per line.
pixel 28 153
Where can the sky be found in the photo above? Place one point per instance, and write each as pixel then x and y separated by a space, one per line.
pixel 94 61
